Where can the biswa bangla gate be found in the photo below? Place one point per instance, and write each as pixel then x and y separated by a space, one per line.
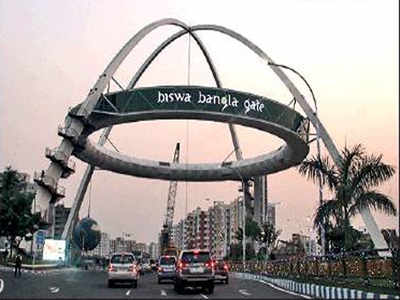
pixel 101 110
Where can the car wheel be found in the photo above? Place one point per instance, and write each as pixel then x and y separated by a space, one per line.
pixel 134 284
pixel 210 288
pixel 110 284
pixel 178 287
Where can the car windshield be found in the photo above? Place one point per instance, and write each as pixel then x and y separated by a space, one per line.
pixel 195 257
pixel 122 259
pixel 167 260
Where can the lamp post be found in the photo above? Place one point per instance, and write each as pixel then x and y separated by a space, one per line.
pixel 243 214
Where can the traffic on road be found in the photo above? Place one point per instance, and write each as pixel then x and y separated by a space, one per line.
pixel 81 283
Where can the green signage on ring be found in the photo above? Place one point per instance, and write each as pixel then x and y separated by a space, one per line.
pixel 196 98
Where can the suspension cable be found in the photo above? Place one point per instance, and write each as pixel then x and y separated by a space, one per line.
pixel 187 127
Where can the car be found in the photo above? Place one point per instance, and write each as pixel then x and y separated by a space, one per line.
pixel 221 271
pixel 123 268
pixel 153 265
pixel 166 268
pixel 194 268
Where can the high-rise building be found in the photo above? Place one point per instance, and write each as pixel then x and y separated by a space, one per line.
pixel 153 250
pixel 178 234
pixel 219 229
pixel 60 219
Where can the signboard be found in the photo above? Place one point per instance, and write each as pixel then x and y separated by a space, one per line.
pixel 40 236
pixel 54 250
pixel 197 98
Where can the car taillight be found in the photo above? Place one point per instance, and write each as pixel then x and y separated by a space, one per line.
pixel 132 268
pixel 226 267
pixel 160 269
pixel 210 264
pixel 111 268
pixel 181 265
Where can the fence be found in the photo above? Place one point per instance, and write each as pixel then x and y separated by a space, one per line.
pixel 364 268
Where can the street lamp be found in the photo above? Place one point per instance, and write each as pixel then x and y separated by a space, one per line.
pixel 243 213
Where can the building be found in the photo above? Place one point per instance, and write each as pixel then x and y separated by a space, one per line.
pixel 122 245
pixel 178 230
pixel 140 247
pixel 154 250
pixel 103 248
pixel 60 219
pixel 218 232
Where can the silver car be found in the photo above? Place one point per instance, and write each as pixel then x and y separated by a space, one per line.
pixel 123 268
pixel 195 268
pixel 166 268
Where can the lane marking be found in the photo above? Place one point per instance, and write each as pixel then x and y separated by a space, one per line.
pixel 1 285
pixel 54 289
pixel 163 293
pixel 283 290
pixel 128 292
pixel 204 296
pixel 244 292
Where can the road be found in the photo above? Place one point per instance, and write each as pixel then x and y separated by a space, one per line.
pixel 74 283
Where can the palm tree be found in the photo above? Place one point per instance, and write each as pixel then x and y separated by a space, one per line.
pixel 352 183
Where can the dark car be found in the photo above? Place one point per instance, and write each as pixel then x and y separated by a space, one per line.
pixel 194 268
pixel 166 268
pixel 221 271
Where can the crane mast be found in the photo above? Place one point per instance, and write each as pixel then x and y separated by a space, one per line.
pixel 169 217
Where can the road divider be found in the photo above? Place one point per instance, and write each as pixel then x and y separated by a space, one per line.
pixel 314 290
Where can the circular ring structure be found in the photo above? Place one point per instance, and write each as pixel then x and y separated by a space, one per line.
pixel 202 103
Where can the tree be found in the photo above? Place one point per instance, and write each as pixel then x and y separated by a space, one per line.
pixel 269 236
pixel 16 219
pixel 252 231
pixel 352 183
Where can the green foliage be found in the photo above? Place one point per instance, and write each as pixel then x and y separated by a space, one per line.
pixel 16 219
pixel 253 231
pixel 268 236
pixel 352 183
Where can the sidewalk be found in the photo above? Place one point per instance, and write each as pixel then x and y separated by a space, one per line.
pixel 43 268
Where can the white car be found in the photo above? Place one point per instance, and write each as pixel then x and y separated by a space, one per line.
pixel 123 268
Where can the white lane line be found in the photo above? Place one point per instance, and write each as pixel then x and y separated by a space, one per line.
pixel 244 292
pixel 163 293
pixel 204 296
pixel 54 289
pixel 1 285
pixel 128 292
pixel 283 290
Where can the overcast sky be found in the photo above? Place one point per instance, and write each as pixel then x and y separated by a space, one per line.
pixel 52 52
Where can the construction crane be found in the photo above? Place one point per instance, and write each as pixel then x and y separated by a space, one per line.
pixel 166 244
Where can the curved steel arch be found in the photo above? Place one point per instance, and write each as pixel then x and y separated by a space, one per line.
pixel 100 85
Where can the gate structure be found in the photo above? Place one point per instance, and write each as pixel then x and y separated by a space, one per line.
pixel 103 110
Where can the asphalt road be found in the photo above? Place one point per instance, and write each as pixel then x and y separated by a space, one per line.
pixel 73 283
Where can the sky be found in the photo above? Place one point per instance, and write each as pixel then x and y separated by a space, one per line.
pixel 52 52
